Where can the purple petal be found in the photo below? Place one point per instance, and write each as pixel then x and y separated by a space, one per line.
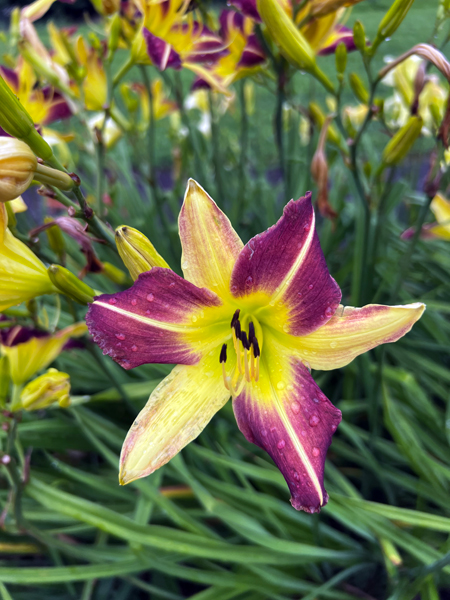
pixel 59 108
pixel 11 77
pixel 294 426
pixel 340 34
pixel 161 53
pixel 253 54
pixel 157 320
pixel 287 264
pixel 247 8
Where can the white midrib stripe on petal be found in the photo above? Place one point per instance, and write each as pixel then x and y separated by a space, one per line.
pixel 298 261
pixel 148 321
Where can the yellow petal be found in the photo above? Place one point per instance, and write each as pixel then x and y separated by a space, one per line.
pixel 440 207
pixel 352 331
pixel 175 414
pixel 210 244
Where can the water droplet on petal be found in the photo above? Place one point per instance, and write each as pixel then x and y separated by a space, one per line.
pixel 280 385
pixel 112 301
pixel 151 297
pixel 249 280
pixel 315 451
pixel 289 387
pixel 134 302
pixel 120 336
pixel 310 286
pixel 303 433
pixel 328 311
pixel 295 408
pixel 234 289
pixel 314 420
pixel 316 400
pixel 273 429
pixel 194 319
pixel 333 428
pixel 296 476
pixel 306 226
pixel 133 348
pixel 300 295
pixel 185 265
pixel 333 344
pixel 264 432
pixel 171 285
pixel 281 444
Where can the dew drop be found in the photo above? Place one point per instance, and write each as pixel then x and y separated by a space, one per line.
pixel 328 311
pixel 280 385
pixel 249 280
pixel 119 345
pixel 151 297
pixel 333 344
pixel 303 433
pixel 234 289
pixel 314 420
pixel 310 286
pixel 281 444
pixel 295 408
pixel 316 400
pixel 289 387
pixel 300 295
pixel 194 319
pixel 315 451
pixel 120 336
pixel 185 265
pixel 264 432
pixel 133 348
pixel 296 476
pixel 134 302
pixel 112 301
pixel 273 429
pixel 171 285
pixel 333 428
pixel 306 226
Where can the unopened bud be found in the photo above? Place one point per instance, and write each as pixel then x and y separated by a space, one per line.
pixel 137 252
pixel 341 58
pixel 391 21
pixel 114 36
pixel 359 36
pixel 4 380
pixel 17 168
pixel 319 118
pixel 114 274
pixel 16 121
pixel 402 142
pixel 55 238
pixel 69 284
pixel 358 88
pixel 50 176
pixel 53 386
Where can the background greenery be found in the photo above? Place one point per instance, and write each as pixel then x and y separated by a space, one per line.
pixel 215 523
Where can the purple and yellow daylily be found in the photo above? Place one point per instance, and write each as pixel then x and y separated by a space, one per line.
pixel 247 322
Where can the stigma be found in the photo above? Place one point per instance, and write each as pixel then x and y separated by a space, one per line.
pixel 248 354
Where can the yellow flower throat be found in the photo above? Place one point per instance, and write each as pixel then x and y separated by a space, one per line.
pixel 247 346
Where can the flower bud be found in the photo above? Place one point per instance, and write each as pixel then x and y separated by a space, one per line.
pixel 114 274
pixel 341 58
pixel 15 120
pixel 53 386
pixel 391 21
pixel 114 36
pixel 50 176
pixel 402 142
pixel 137 252
pixel 358 88
pixel 69 284
pixel 359 36
pixel 318 117
pixel 55 239
pixel 285 34
pixel 17 167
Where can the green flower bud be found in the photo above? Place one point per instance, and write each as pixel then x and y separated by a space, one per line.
pixel 402 142
pixel 358 88
pixel 114 274
pixel 114 36
pixel 15 120
pixel 137 252
pixel 69 284
pixel 341 58
pixel 391 21
pixel 359 36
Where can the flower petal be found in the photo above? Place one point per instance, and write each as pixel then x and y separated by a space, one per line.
pixel 175 414
pixel 352 331
pixel 288 416
pixel 161 319
pixel 210 244
pixel 287 264
pixel 160 52
pixel 247 8
pixel 339 34
pixel 440 207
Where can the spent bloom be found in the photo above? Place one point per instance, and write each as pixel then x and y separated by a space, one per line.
pixel 247 322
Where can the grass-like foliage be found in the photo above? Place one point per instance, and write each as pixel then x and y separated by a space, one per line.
pixel 369 139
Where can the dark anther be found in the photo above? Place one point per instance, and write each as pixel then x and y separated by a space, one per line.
pixel 237 328
pixel 256 350
pixel 251 331
pixel 244 341
pixel 235 317
pixel 223 354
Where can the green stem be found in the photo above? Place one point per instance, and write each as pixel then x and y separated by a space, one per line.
pixel 238 207
pixel 123 70
pixel 279 125
pixel 216 149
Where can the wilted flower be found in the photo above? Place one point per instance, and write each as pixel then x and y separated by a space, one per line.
pixel 247 322
pixel 30 350
pixel 53 386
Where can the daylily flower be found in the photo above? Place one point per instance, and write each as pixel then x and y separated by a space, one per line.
pixel 162 106
pixel 43 105
pixel 31 350
pixel 246 322
pixel 440 207
pixel 432 97
pixel 22 275
pixel 173 39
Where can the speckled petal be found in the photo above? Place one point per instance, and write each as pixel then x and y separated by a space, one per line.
pixel 161 319
pixel 210 244
pixel 287 415
pixel 353 331
pixel 286 264
pixel 175 414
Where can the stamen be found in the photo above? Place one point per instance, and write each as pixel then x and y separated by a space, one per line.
pixel 223 354
pixel 257 353
pixel 246 361
pixel 252 362
pixel 237 328
pixel 251 332
pixel 235 317
pixel 223 360
pixel 244 341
